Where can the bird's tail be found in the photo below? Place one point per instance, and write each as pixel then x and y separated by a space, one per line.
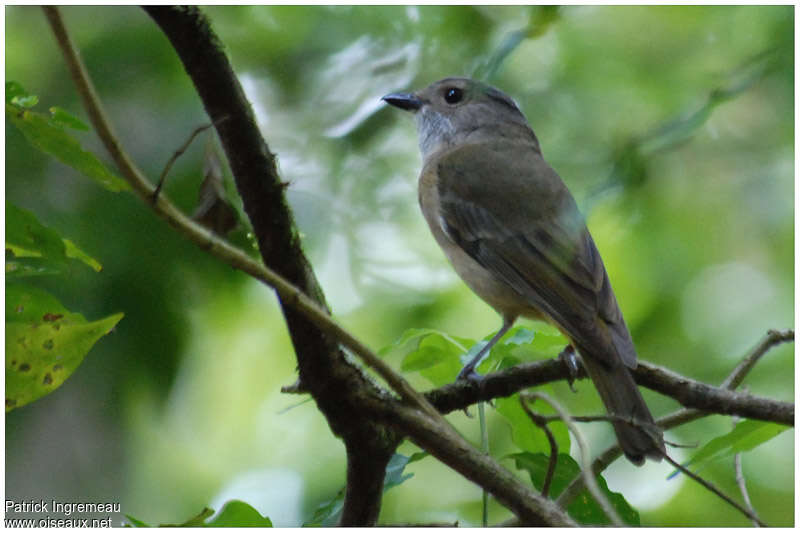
pixel 623 400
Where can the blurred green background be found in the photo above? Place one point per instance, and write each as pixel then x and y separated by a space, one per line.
pixel 672 126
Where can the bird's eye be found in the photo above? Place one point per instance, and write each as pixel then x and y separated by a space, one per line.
pixel 453 95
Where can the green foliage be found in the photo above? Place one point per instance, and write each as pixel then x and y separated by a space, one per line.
pixel 439 356
pixel 676 140
pixel 64 118
pixel 584 508
pixel 525 434
pixel 328 513
pixel 234 513
pixel 48 135
pixel 33 249
pixel 745 436
pixel 432 353
pixel 45 343
pixel 542 17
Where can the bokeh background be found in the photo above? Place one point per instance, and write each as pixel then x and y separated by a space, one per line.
pixel 673 127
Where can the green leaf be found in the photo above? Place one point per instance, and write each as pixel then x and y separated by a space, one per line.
pixel 62 117
pixel 23 230
pixel 527 435
pixel 236 513
pixel 541 341
pixel 447 351
pixel 745 436
pixel 521 344
pixel 584 507
pixel 433 353
pixel 36 249
pixel 439 357
pixel 394 471
pixel 50 138
pixel 45 343
pixel 328 513
pixel 134 522
pixel 23 267
pixel 14 90
pixel 73 252
pixel 195 521
pixel 410 335
pixel 26 102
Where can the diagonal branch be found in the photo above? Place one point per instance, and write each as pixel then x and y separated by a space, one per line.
pixel 341 390
pixel 314 335
pixel 343 393
pixel 315 311
pixel 530 507
pixel 745 510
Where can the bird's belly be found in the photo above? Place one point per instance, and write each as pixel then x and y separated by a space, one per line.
pixel 492 290
pixel 495 292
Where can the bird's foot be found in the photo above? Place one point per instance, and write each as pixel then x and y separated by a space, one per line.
pixel 570 360
pixel 468 373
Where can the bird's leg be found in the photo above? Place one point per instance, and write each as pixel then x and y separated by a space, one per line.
pixel 570 360
pixel 468 372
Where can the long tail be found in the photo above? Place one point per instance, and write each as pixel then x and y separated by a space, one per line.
pixel 622 399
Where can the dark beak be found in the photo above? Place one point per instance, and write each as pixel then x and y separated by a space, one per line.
pixel 407 101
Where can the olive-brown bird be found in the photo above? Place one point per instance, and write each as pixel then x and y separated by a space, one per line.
pixel 514 234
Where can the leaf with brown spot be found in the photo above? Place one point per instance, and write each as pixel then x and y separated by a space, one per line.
pixel 33 367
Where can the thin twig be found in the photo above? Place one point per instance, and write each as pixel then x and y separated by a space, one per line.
pixel 588 476
pixel 541 422
pixel 532 511
pixel 484 449
pixel 737 463
pixel 740 481
pixel 587 418
pixel 290 294
pixel 771 339
pixel 708 485
pixel 175 156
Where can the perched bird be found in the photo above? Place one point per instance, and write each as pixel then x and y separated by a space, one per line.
pixel 512 231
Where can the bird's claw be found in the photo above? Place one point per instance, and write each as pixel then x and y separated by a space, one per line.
pixel 570 360
pixel 469 374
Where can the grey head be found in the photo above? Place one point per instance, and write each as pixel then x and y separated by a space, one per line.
pixel 455 111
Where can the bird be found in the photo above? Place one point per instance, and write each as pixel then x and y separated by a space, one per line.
pixel 514 234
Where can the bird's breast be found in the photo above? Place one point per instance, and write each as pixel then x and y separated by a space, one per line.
pixel 495 292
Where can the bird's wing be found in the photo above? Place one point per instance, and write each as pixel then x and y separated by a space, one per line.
pixel 506 208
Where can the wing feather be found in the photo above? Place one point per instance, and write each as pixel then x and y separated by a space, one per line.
pixel 506 208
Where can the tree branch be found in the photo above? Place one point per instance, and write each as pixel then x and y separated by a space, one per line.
pixel 531 508
pixel 586 475
pixel 349 400
pixel 697 395
pixel 683 416
pixel 340 389
pixel 687 391
pixel 321 362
